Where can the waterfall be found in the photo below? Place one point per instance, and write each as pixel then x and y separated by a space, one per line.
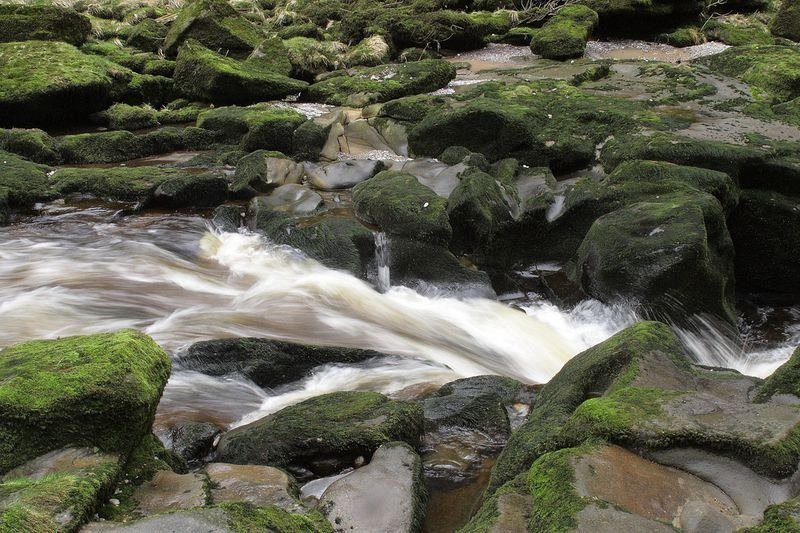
pixel 382 251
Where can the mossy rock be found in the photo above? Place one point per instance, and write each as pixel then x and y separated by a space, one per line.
pixel 401 206
pixel 565 35
pixel 205 75
pixel 332 428
pixel 655 253
pixel 682 37
pixel 310 57
pixel 468 404
pixel 97 390
pixel 60 499
pixel 147 89
pixel 20 22
pixel 23 183
pixel 370 52
pixel 209 189
pixel 386 82
pixel 735 32
pixel 268 363
pixel 147 35
pixel 765 228
pixel 32 144
pixel 271 56
pixel 783 517
pixel 309 140
pixel 255 128
pixel 477 208
pixel 412 260
pixel 785 380
pixel 51 82
pixel 128 117
pixel 787 21
pixel 215 24
pixel 772 69
pixel 128 57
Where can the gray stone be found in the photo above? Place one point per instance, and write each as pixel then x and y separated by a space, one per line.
pixel 168 491
pixel 197 521
pixel 63 460
pixel 260 485
pixel 342 174
pixel 291 199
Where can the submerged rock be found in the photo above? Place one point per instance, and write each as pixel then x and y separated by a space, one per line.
pixel 323 434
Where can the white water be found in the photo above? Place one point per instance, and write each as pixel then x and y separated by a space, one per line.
pixel 382 251
pixel 173 278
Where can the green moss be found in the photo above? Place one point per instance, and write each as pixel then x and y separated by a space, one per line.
pixel 55 502
pixel 678 83
pixel 399 205
pixel 370 52
pixel 488 516
pixel 180 111
pixel 98 390
pixel 411 108
pixel 338 426
pixel 554 498
pixel 24 183
pixel 785 380
pixel 736 31
pixel 780 518
pixel 685 36
pixel 379 84
pixel 215 24
pixel 147 35
pixel 271 56
pixel 128 117
pixel 245 518
pixel 787 21
pixel 205 75
pixel 147 89
pixel 308 141
pixel 477 207
pixel 773 69
pixel 20 22
pixel 565 35
pixel 310 57
pixel 122 55
pixel 49 82
pixel 35 145
pixel 262 127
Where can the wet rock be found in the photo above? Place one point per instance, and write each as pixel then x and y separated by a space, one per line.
pixel 342 174
pixel 215 24
pixel 201 190
pixel 95 390
pixel 193 441
pixel 32 144
pixel 202 74
pixel 386 495
pixel 254 484
pixel 268 363
pixel 168 491
pixel 565 35
pixel 439 177
pixel 56 491
pixel 323 434
pixel 263 170
pixel 22 183
pixel 469 405
pixel 196 521
pixel 477 209
pixel 259 127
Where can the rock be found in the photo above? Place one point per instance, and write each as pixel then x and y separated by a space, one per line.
pixel 773 69
pixel 459 405
pixel 205 75
pixel 95 390
pixel 263 170
pixel 565 35
pixel 785 380
pixel 29 96
pixel 193 441
pixel 766 236
pixel 400 206
pixel 128 117
pixel 362 137
pixel 200 190
pixel 675 249
pixel 323 434
pixel 55 492
pixel 268 363
pixel 477 209
pixel 787 21
pixel 261 127
pixel 783 517
pixel 342 174
pixel 23 183
pixel 383 83
pixel 32 144
pixel 309 140
pixel 168 491
pixel 438 177
pixel 20 22
pixel 258 485
pixel 215 24
pixel 370 52
pixel 292 199
pixel 272 56
pixel 388 494
pixel 147 35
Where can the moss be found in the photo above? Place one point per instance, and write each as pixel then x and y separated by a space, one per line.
pixel 477 207
pixel 554 498
pixel 215 24
pixel 310 57
pixel 411 108
pixel 147 89
pixel 55 502
pixel 785 380
pixel 32 144
pixel 180 111
pixel 51 82
pixel 245 518
pixel 20 22
pixel 773 69
pixel 338 426
pixel 370 52
pixel 779 518
pixel 736 31
pixel 147 35
pixel 399 205
pixel 128 117
pixel 308 140
pixel 383 83
pixel 159 67
pixel 23 183
pixel 681 37
pixel 612 416
pixel 304 29
pixel 412 260
pixel 488 516
pixel 205 75
pixel 122 55
pixel 592 73
pixel 787 21
pixel 565 35
pixel 259 127
pixel 678 83
pixel 98 390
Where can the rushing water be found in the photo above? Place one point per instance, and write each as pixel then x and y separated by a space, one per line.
pixel 83 271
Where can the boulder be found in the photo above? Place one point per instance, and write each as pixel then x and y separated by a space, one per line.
pixel 21 22
pixel 96 390
pixel 193 441
pixel 565 35
pixel 342 174
pixel 202 74
pixel 192 190
pixel 168 492
pixel 147 35
pixel 787 21
pixel 268 363
pixel 400 206
pixel 388 494
pixel 477 208
pixel 324 434
pixel 23 183
pixel 262 171
pixel 254 484
pixel 367 85
pixel 32 144
pixel 260 127
pixel 773 69
pixel 215 24
pixel 128 117
pixel 50 82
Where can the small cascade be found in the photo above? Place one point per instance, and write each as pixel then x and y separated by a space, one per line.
pixel 382 261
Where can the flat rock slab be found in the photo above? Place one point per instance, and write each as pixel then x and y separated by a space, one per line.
pixel 385 495
pixel 342 174
pixel 292 199
pixel 168 491
pixel 256 484
pixel 63 460
pixel 198 521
